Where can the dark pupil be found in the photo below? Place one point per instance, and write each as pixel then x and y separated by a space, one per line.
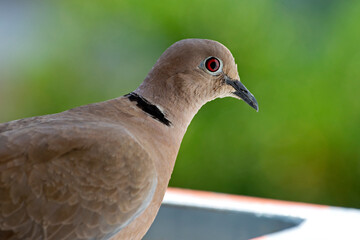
pixel 213 65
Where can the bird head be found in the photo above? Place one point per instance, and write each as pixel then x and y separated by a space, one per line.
pixel 197 70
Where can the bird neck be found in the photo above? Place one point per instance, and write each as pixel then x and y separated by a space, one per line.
pixel 178 112
pixel 177 108
pixel 148 107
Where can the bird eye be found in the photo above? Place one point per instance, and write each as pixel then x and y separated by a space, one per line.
pixel 212 64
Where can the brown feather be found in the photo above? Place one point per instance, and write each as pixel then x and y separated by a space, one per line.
pixel 101 170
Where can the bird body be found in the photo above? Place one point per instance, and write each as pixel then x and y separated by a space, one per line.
pixel 100 171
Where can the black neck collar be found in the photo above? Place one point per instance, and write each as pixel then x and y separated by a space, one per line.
pixel 149 108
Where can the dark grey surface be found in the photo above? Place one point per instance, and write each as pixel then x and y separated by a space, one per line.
pixel 188 223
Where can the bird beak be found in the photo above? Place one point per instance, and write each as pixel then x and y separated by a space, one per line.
pixel 242 92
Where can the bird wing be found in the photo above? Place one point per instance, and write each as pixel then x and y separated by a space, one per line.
pixel 72 180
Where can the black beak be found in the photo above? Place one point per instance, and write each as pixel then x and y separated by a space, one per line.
pixel 242 92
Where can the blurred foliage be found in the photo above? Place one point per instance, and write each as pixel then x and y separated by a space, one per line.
pixel 301 59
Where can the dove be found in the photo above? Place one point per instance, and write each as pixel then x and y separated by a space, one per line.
pixel 100 171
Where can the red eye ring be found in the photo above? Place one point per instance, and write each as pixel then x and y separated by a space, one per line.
pixel 212 64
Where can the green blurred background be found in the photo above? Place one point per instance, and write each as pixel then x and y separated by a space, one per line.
pixel 300 58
